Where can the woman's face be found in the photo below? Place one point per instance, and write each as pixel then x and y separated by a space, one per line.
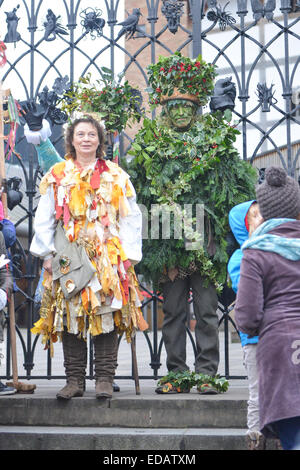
pixel 85 139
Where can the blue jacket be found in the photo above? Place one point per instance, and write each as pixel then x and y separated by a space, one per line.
pixel 237 224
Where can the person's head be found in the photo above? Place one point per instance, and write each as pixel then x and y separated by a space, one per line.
pixel 278 196
pixel 254 218
pixel 181 113
pixel 85 135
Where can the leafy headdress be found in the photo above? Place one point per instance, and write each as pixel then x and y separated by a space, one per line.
pixel 179 77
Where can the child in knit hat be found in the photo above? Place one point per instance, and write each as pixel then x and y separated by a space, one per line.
pixel 244 218
pixel 268 305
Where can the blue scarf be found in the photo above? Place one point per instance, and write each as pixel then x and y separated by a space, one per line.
pixel 260 240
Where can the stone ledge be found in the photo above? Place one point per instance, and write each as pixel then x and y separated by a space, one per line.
pixel 66 438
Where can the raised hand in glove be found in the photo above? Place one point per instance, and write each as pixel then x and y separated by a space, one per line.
pixel 37 128
pixel 33 117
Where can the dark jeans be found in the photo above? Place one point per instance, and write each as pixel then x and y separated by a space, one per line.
pixel 289 433
pixel 175 309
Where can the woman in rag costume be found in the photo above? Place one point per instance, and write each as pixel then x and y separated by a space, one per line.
pixel 87 203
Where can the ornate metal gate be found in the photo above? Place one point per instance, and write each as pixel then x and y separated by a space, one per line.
pixel 254 43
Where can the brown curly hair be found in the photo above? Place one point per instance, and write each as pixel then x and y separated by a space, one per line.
pixel 70 134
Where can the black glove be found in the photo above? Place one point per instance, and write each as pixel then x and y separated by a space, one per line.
pixel 33 117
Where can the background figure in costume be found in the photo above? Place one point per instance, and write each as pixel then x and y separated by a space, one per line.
pixel 268 303
pixel 184 158
pixel 243 220
pixel 87 212
pixel 6 285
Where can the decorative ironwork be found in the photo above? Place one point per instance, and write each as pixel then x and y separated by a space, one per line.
pixel 265 96
pixel 92 22
pixel 222 16
pixel 224 95
pixel 261 175
pixel 53 26
pixel 14 195
pixel 130 25
pixel 263 11
pixel 49 101
pixel 172 10
pixel 12 20
pixel 198 32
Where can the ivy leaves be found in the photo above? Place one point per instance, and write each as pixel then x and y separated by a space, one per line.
pixel 185 380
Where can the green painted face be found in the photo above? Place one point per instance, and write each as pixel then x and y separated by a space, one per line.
pixel 181 113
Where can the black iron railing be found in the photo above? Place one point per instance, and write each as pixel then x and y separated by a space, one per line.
pixel 256 45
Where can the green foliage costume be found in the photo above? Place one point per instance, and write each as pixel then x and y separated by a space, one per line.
pixel 192 166
pixel 183 158
pixel 198 166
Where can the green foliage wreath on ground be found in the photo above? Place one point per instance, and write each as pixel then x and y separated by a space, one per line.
pixel 198 166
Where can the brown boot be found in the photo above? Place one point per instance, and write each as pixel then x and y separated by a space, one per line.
pixel 75 358
pixel 73 388
pixel 106 352
pixel 104 387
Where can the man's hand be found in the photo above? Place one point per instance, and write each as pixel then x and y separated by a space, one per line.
pixel 47 265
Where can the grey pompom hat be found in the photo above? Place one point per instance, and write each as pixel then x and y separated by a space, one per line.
pixel 279 195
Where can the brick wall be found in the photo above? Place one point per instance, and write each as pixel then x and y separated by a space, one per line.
pixel 132 46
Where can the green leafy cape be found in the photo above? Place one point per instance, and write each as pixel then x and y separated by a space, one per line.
pixel 200 166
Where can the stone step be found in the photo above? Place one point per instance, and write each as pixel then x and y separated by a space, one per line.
pixel 186 411
pixel 112 439
pixel 99 438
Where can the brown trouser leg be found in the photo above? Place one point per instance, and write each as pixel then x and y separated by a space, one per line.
pixel 175 309
pixel 205 303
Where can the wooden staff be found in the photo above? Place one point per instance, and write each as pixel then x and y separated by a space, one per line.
pixel 135 366
pixel 19 386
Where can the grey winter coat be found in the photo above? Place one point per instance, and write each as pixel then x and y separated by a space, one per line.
pixel 268 305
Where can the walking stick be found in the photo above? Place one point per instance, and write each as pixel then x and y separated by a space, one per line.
pixel 19 386
pixel 135 367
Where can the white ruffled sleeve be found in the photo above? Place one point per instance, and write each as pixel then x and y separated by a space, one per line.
pixel 42 245
pixel 130 228
pixel 36 137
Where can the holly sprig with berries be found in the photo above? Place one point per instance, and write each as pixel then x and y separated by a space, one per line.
pixel 192 76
